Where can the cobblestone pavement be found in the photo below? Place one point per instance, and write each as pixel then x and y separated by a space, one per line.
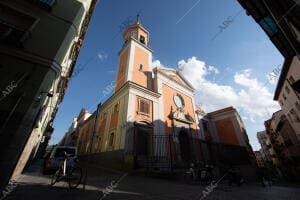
pixel 34 185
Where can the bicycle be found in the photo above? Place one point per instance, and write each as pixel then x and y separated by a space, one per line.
pixel 72 174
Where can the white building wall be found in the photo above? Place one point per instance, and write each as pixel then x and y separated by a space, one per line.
pixel 288 99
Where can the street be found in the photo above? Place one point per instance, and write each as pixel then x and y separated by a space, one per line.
pixel 33 185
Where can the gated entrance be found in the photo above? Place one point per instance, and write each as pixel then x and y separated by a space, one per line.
pixel 169 152
pixel 185 147
pixel 143 137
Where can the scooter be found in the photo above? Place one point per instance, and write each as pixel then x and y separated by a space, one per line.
pixel 199 174
pixel 235 177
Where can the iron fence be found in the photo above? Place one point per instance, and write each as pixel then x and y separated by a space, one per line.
pixel 164 154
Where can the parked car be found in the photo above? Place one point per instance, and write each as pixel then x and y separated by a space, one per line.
pixel 56 157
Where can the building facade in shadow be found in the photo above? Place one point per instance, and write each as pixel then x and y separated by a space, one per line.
pixel 39 44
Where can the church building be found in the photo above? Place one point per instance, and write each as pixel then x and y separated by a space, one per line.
pixel 151 114
pixel 151 120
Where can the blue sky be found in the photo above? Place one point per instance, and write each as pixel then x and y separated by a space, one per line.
pixel 231 69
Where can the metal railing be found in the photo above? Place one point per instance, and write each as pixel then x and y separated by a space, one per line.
pixel 164 154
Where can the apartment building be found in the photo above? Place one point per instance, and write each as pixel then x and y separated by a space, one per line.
pixel 39 44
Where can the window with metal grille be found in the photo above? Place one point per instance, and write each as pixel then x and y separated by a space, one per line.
pixel 144 106
pixel 111 139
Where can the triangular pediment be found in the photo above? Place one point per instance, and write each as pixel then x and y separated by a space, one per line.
pixel 175 76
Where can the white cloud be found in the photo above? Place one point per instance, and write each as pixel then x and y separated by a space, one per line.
pixel 244 118
pixel 213 70
pixel 248 95
pixel 102 56
pixel 155 63
pixel 194 70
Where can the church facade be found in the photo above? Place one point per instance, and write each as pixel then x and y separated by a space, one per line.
pixel 150 114
pixel 151 120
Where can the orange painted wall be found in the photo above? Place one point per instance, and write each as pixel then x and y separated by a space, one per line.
pixel 113 125
pixel 82 139
pixel 139 116
pixel 103 119
pixel 114 117
pixel 121 77
pixel 226 131
pixel 85 134
pixel 140 57
pixel 168 94
pixel 101 127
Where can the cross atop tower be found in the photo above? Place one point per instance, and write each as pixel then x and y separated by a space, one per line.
pixel 138 18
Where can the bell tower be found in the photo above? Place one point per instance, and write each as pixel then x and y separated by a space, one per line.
pixel 135 57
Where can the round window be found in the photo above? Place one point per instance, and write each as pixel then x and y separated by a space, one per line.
pixel 178 101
